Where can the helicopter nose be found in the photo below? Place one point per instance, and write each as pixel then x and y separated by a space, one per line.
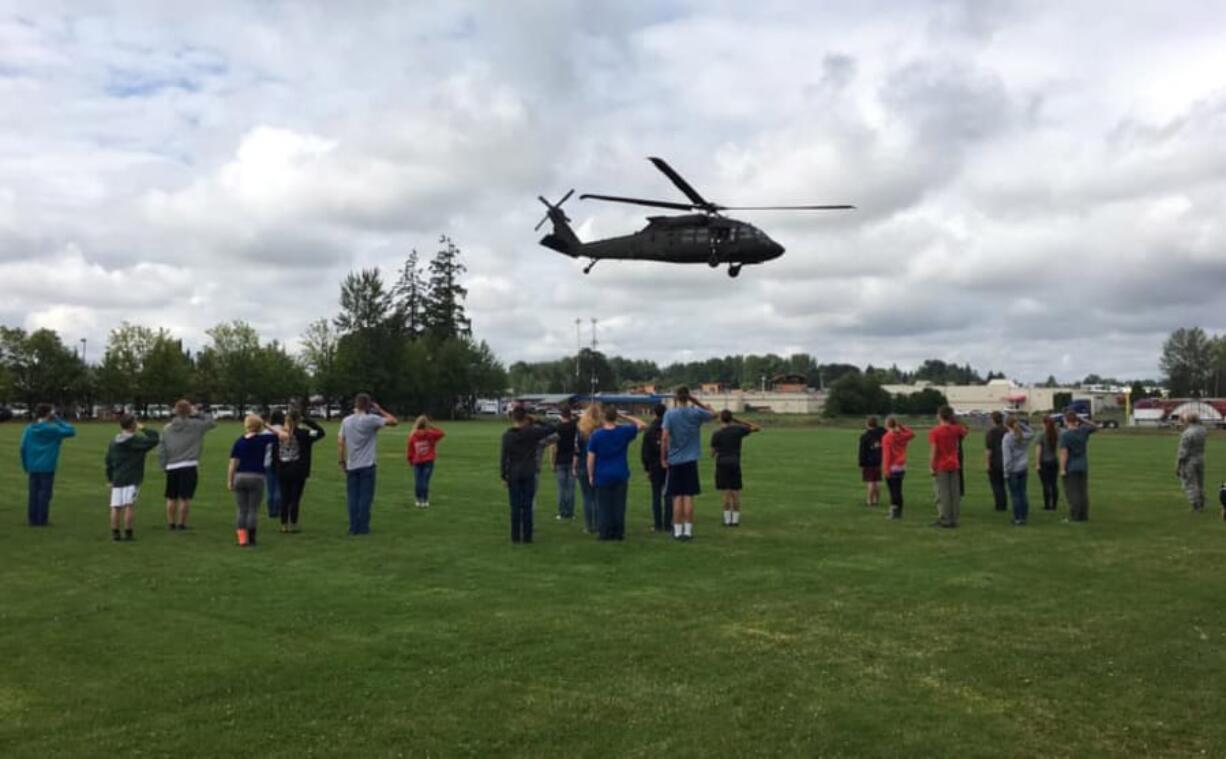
pixel 775 249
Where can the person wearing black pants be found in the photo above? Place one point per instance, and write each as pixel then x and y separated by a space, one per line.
pixel 518 466
pixel 661 507
pixel 293 464
pixel 993 440
pixel 610 472
pixel 1047 462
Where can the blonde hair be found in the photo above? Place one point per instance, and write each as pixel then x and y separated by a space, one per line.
pixel 591 419
pixel 422 422
pixel 253 423
pixel 1012 423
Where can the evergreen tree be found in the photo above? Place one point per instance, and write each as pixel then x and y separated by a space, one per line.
pixel 409 297
pixel 365 303
pixel 444 313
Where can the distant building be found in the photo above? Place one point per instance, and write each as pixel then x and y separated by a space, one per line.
pixel 1006 395
pixel 773 401
pixel 790 383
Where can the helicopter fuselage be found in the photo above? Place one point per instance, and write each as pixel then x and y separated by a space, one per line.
pixel 688 239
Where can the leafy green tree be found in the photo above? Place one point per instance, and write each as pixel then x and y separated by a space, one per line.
pixel 39 368
pixel 1187 362
pixel 233 356
pixel 119 374
pixel 856 394
pixel 166 374
pixel 319 356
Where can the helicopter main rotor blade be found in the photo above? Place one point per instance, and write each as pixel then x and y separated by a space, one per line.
pixel 785 208
pixel 640 202
pixel 698 200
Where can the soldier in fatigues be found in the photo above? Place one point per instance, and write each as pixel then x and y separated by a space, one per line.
pixel 1190 466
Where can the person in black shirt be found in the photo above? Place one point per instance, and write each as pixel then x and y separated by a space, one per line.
pixel 565 463
pixel 518 464
pixel 993 440
pixel 661 506
pixel 293 463
pixel 726 449
pixel 870 460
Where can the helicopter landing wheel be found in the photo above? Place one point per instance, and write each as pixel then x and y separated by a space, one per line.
pixel 588 269
pixel 734 271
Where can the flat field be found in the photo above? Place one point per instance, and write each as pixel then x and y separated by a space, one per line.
pixel 818 628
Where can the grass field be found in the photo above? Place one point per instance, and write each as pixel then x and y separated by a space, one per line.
pixel 816 629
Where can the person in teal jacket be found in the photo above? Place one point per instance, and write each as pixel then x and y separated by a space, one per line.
pixel 125 470
pixel 40 455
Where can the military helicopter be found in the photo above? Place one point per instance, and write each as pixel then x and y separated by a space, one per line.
pixel 706 237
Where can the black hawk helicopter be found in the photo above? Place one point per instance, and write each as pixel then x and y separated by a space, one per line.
pixel 707 237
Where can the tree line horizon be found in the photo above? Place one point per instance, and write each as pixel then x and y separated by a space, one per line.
pixel 410 344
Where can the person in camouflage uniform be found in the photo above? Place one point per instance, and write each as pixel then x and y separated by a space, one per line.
pixel 1190 466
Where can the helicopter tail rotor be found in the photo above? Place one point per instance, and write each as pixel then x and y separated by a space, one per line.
pixel 553 208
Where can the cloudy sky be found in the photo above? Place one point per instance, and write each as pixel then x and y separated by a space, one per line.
pixel 1041 185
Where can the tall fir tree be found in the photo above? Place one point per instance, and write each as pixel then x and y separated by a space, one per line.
pixel 409 297
pixel 444 312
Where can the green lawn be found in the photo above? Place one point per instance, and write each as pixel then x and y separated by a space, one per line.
pixel 816 629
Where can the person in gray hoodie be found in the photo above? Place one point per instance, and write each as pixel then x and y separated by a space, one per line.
pixel 179 454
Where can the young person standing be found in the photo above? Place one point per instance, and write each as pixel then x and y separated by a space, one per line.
pixel 245 477
pixel 422 453
pixel 894 461
pixel 275 423
pixel 944 466
pixel 1190 462
pixel 1047 463
pixel 681 447
pixel 649 453
pixel 870 461
pixel 565 465
pixel 589 422
pixel 994 459
pixel 726 450
pixel 1015 453
pixel 609 471
pixel 40 456
pixel 357 452
pixel 518 469
pixel 295 441
pixel 179 454
pixel 125 471
pixel 1075 464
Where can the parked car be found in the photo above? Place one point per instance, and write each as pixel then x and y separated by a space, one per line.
pixel 5 413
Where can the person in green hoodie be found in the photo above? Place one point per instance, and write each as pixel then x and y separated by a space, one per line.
pixel 125 470
pixel 40 455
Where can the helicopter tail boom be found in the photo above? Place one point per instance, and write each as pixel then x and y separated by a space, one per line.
pixel 562 239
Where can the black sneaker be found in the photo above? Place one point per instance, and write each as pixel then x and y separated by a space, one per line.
pixel 115 536
pixel 172 526
pixel 127 535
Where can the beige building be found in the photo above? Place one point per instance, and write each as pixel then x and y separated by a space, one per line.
pixel 770 401
pixel 1007 395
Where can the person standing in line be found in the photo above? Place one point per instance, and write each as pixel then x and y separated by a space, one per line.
pixel 1047 462
pixel 726 450
pixel 589 422
pixel 609 471
pixel 245 477
pixel 40 456
pixel 179 455
pixel 944 466
pixel 1015 452
pixel 1190 462
pixel 1075 464
pixel 358 454
pixel 517 462
pixel 276 424
pixel 894 461
pixel 870 461
pixel 681 447
pixel 649 453
pixel 422 453
pixel 294 443
pixel 994 460
pixel 565 464
pixel 125 471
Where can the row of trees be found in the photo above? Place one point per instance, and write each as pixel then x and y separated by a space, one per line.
pixel 410 344
pixel 857 394
pixel 1194 363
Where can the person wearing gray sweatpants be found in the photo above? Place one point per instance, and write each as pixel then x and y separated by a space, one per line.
pixel 246 478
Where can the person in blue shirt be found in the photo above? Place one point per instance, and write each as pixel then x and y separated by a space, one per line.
pixel 680 449
pixel 40 455
pixel 609 471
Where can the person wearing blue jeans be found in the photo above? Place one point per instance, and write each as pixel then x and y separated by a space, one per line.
pixel 421 481
pixel 358 454
pixel 609 471
pixel 272 485
pixel 1015 455
pixel 517 463
pixel 40 455
pixel 565 463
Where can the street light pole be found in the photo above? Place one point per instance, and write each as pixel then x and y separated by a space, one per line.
pixel 83 350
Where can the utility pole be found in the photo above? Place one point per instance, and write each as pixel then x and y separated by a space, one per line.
pixel 594 343
pixel 82 350
pixel 578 350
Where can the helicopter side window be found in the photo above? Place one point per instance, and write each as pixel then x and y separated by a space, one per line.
pixel 701 235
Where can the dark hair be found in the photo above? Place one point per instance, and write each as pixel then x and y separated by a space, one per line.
pixel 683 395
pixel 42 411
pixel 361 401
pixel 565 410
pixel 997 417
pixel 725 416
pixel 1050 431
pixel 518 414
pixel 1071 415
pixel 183 407
pixel 610 413
pixel 661 410
pixel 277 417
pixel 871 422
pixel 946 413
pixel 127 421
pixel 294 417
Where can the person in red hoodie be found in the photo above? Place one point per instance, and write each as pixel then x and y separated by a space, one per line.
pixel 421 454
pixel 894 461
pixel 943 463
